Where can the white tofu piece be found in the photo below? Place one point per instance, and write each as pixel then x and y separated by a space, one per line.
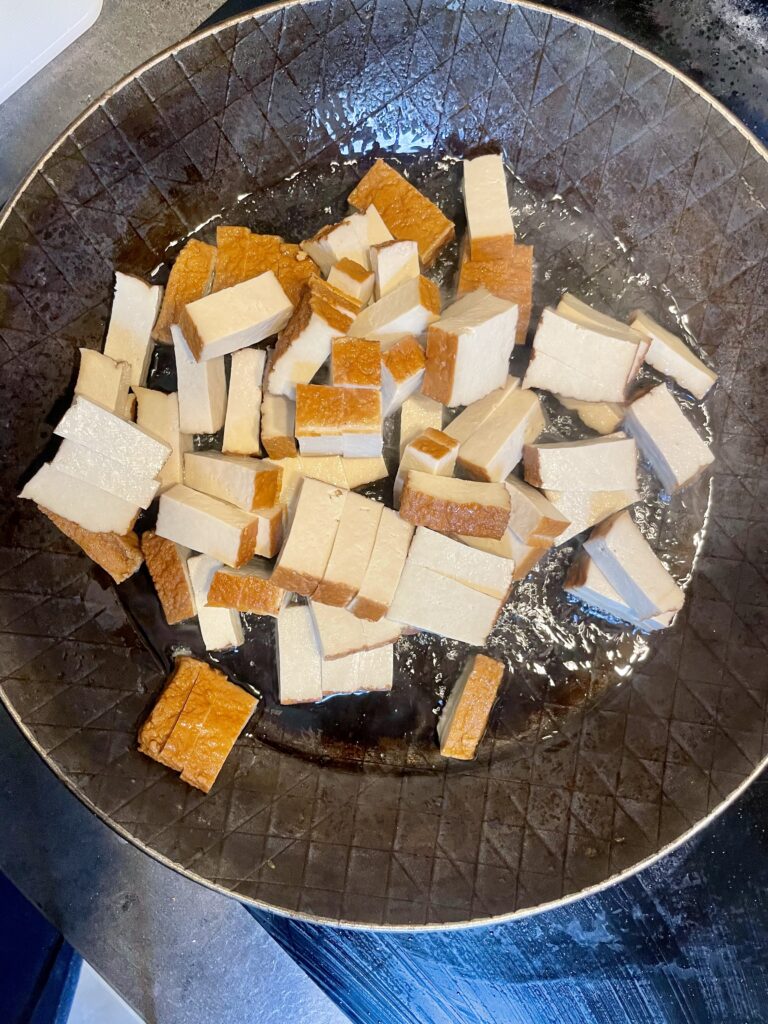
pixel 358 472
pixel 468 348
pixel 248 589
pixel 300 665
pixel 480 570
pixel 246 483
pixel 449 505
pixel 671 356
pixel 392 263
pixel 493 451
pixel 596 464
pixel 587 508
pixel 351 551
pixel 431 452
pixel 340 633
pixel 338 421
pixel 417 414
pixel 105 382
pixel 352 279
pixel 579 361
pixel 84 504
pixel 108 434
pixel 469 421
pixel 202 389
pixel 489 221
pixel 408 309
pixel 522 556
pixel 465 716
pixel 220 628
pixel 362 672
pixel 207 525
pixel 108 475
pixel 667 439
pixel 376 231
pixel 129 335
pixel 580 313
pixel 363 436
pixel 243 419
pixel 350 239
pixel 385 565
pixel 269 531
pixel 437 604
pixel 602 417
pixel 402 372
pixel 304 557
pixel 158 414
pixel 278 426
pixel 532 516
pixel 235 317
pixel 632 567
pixel 586 582
pixel 328 468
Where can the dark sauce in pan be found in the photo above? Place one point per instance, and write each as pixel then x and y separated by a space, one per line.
pixel 556 650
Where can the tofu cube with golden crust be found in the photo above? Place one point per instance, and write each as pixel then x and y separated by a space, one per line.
pixel 464 718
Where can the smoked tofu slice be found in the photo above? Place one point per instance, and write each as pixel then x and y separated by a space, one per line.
pixel 243 419
pixel 455 506
pixel 338 421
pixel 99 470
pixel 667 439
pixel 355 363
pixel 493 451
pixel 632 568
pixel 351 551
pixel 532 517
pixel 202 389
pixel 129 335
pixel 597 464
pixel 269 531
pixel 304 556
pixel 374 596
pixel 278 426
pixel 80 502
pixel 580 313
pixel 158 414
pixel 362 437
pixel 248 484
pixel 300 664
pixel 471 419
pixel 108 434
pixel 437 604
pixel 464 718
pixel 363 672
pixel 340 633
pixel 402 373
pixel 242 255
pixel 432 452
pixel 587 508
pixel 190 278
pixel 671 356
pixel 510 278
pixel 350 239
pixel 353 279
pixel 417 414
pixel 408 309
pixel 522 556
pixel 248 589
pixel 358 472
pixel 588 584
pixel 235 317
pixel 305 343
pixel 165 714
pixel 220 627
pixel 580 361
pixel 480 570
pixel 167 565
pixel 602 417
pixel 206 524
pixel 408 214
pixel 105 382
pixel 486 203
pixel 392 263
pixel 117 555
pixel 468 349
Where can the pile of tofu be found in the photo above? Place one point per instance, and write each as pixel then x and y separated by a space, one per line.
pixel 290 359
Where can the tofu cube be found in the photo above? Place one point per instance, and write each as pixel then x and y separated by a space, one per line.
pixel 300 664
pixel 596 464
pixel 432 452
pixel 455 506
pixel 79 501
pixel 385 565
pixel 426 600
pixel 489 221
pixel 206 524
pixel 243 419
pixel 408 309
pixel 202 389
pixel 105 382
pixel 510 278
pixel 392 263
pixel 355 363
pixel 402 372
pixel 417 414
pixel 304 556
pixel 353 279
pixel 351 552
pixel 464 718
pixel 191 277
pixel 129 335
pixel 278 426
pixel 493 451
pixel 671 356
pixel 248 589
pixel 167 565
pixel 220 627
pixel 158 414
pixel 248 484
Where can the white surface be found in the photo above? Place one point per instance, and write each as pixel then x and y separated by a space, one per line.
pixel 96 1003
pixel 35 32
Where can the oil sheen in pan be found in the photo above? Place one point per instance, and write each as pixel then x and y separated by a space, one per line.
pixel 557 651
